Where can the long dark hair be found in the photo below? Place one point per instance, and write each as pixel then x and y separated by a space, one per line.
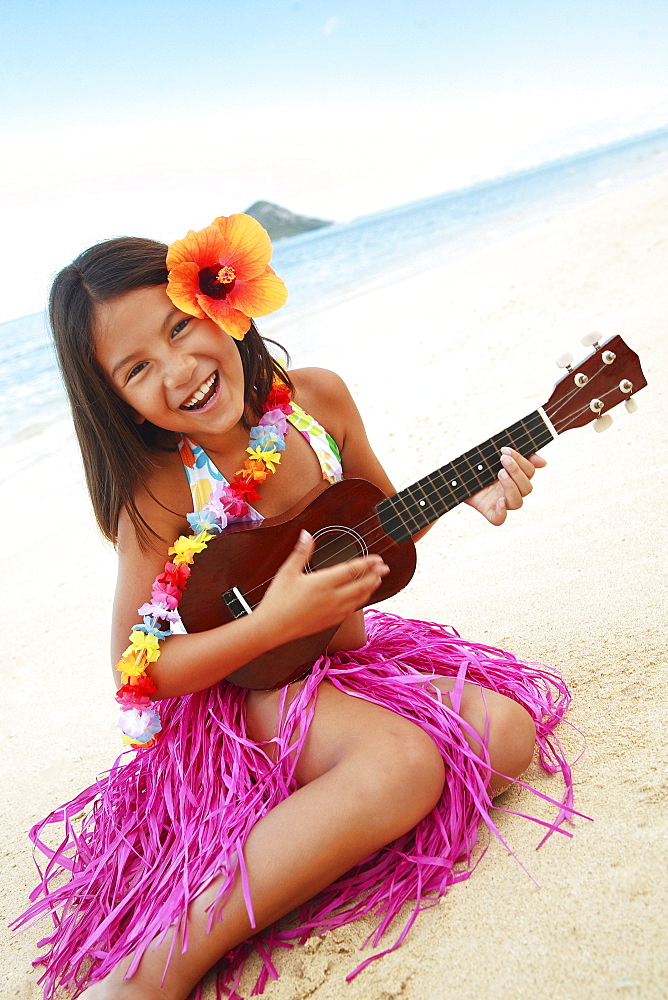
pixel 117 452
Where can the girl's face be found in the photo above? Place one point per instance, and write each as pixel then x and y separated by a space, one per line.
pixel 181 373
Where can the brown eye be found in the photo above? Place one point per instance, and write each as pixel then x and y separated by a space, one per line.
pixel 135 371
pixel 181 326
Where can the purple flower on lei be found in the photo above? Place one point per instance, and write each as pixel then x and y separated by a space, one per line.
pixel 225 501
pixel 157 610
pixel 217 510
pixel 275 418
pixel 140 724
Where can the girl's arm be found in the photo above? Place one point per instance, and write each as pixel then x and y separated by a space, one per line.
pixel 327 397
pixel 296 604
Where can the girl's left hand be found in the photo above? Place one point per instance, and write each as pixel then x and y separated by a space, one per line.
pixel 512 485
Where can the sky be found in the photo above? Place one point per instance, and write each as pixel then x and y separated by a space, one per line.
pixel 150 118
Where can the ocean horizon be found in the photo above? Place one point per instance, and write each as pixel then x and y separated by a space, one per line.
pixel 328 265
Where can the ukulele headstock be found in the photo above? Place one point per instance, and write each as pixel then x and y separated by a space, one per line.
pixel 611 374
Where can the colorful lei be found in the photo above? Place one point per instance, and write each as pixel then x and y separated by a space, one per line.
pixel 140 718
pixel 221 272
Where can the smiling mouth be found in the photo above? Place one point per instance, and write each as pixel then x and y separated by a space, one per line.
pixel 203 395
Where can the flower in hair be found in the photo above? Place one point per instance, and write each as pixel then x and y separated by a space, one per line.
pixel 223 272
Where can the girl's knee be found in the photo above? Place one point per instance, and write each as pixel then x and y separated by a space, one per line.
pixel 512 738
pixel 404 779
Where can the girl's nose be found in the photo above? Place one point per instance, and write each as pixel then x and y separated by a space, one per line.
pixel 179 370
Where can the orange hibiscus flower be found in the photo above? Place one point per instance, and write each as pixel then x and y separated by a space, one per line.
pixel 223 272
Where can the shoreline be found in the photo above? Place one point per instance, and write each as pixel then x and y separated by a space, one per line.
pixel 500 211
pixel 575 579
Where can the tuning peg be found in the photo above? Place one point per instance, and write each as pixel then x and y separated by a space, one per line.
pixel 603 423
pixel 591 339
pixel 565 361
pixel 631 405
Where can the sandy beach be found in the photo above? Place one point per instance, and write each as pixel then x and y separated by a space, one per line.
pixel 577 579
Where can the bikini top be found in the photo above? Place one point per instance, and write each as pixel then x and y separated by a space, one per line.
pixel 202 473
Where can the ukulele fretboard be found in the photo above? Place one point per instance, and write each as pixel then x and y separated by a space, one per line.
pixel 417 506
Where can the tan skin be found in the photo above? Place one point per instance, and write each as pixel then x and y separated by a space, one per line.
pixel 347 804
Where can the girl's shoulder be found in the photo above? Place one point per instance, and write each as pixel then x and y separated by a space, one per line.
pixel 163 498
pixel 325 395
pixel 327 398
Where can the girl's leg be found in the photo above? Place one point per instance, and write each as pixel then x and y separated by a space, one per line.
pixel 367 776
pixel 512 732
pixel 350 804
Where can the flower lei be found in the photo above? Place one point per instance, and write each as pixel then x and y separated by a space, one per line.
pixel 140 718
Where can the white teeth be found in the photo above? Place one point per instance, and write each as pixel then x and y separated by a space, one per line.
pixel 201 392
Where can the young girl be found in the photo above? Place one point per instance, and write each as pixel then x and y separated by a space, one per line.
pixel 350 791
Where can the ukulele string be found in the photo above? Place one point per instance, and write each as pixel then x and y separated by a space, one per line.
pixel 329 548
pixel 528 440
pixel 568 421
pixel 574 392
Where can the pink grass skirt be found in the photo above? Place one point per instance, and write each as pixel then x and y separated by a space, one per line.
pixel 164 822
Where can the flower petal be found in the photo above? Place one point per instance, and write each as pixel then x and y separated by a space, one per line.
pixel 183 288
pixel 259 296
pixel 228 319
pixel 203 248
pixel 247 247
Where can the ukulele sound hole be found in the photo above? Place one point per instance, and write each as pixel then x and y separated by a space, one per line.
pixel 336 545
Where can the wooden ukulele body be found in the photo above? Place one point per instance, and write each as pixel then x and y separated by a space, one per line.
pixel 354 518
pixel 343 521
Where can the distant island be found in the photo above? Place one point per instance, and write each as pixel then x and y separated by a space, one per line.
pixel 280 222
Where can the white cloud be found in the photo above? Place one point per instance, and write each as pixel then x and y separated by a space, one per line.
pixel 330 25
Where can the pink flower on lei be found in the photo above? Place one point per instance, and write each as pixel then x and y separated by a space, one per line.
pixel 275 418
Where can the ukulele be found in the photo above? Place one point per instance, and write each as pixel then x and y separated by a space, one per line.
pixel 355 518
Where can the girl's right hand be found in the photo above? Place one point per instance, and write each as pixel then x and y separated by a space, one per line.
pixel 297 603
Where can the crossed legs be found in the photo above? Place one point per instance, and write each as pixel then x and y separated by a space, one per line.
pixel 349 804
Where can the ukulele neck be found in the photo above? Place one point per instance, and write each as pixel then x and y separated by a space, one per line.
pixel 419 505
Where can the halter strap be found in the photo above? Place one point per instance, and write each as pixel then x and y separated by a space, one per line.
pixel 202 473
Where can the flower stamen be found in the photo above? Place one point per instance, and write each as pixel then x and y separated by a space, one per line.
pixel 226 275
pixel 216 282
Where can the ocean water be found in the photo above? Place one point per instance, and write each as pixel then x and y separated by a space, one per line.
pixel 327 265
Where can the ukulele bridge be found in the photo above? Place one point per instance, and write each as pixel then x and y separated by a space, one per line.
pixel 236 603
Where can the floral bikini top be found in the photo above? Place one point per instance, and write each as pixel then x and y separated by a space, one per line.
pixel 202 473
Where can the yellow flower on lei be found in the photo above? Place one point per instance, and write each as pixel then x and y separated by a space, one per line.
pixel 185 548
pixel 130 667
pixel 270 458
pixel 145 643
